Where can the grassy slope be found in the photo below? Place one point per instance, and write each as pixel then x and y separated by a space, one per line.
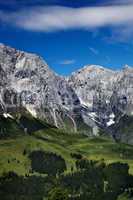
pixel 51 139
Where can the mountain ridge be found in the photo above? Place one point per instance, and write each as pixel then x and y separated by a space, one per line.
pixel 27 81
pixel 107 94
pixel 89 98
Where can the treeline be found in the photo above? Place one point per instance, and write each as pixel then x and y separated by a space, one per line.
pixel 92 180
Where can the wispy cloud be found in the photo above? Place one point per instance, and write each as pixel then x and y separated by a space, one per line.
pixel 55 18
pixel 94 51
pixel 67 62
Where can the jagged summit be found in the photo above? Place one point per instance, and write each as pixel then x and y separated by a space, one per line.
pixel 91 68
pixel 27 81
pixel 18 53
pixel 93 96
pixel 94 67
pixel 127 67
pixel 104 92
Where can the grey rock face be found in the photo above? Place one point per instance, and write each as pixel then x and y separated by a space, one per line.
pixel 26 81
pixel 107 94
pixel 91 97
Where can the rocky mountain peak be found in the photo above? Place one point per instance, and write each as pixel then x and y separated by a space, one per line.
pixel 93 96
pixel 104 92
pixel 27 81
pixel 127 67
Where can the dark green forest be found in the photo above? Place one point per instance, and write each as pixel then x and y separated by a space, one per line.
pixel 92 180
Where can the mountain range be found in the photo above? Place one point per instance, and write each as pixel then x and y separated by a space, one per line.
pixel 92 101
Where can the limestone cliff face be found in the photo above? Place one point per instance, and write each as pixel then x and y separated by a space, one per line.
pixel 27 81
pixel 107 95
pixel 91 97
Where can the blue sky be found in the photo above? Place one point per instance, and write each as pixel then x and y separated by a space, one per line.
pixel 69 34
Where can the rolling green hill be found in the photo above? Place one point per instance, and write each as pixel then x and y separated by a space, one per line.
pixel 30 147
pixel 53 140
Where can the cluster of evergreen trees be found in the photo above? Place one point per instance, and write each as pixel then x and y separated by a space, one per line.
pixel 92 180
pixel 47 163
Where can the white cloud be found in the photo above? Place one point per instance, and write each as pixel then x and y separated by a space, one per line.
pixel 94 51
pixel 56 18
pixel 67 62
